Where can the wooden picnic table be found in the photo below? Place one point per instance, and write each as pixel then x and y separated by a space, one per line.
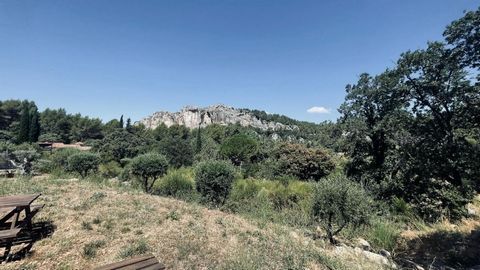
pixel 11 207
pixel 17 204
pixel 18 200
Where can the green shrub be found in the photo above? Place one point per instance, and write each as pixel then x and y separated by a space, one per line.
pixel 87 226
pixel 239 148
pixel 214 180
pixel 120 144
pixel 176 183
pixel 49 137
pixel 90 249
pixel 125 174
pixel 43 166
pixel 338 203
pixel 60 157
pixel 110 169
pixel 383 234
pixel 304 163
pixel 268 169
pixel 83 163
pixel 26 160
pixel 272 200
pixel 137 248
pixel 148 168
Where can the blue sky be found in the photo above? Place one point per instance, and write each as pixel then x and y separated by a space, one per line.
pixel 107 58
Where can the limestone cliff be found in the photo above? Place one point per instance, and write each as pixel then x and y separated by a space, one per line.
pixel 193 117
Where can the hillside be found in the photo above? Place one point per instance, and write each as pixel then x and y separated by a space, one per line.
pixel 98 223
pixel 275 126
pixel 194 117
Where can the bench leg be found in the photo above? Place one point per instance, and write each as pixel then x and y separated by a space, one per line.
pixel 6 253
pixel 15 219
pixel 28 218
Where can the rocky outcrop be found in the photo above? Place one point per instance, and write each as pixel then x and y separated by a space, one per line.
pixel 193 117
pixel 360 254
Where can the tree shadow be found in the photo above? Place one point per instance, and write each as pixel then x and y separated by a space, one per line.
pixel 26 239
pixel 443 250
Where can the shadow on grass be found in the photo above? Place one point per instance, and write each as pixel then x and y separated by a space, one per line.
pixel 40 230
pixel 440 250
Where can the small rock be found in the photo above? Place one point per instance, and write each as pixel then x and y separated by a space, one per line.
pixel 471 210
pixel 412 265
pixel 378 259
pixel 363 244
pixel 385 253
pixel 373 257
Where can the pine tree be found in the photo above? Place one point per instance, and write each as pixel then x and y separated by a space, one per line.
pixel 34 127
pixel 24 128
pixel 121 121
pixel 199 140
pixel 128 127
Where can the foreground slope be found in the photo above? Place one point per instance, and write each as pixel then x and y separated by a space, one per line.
pixel 98 223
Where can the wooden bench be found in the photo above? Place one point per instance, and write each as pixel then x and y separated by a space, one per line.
pixel 6 213
pixel 148 262
pixel 9 234
pixel 25 223
pixel 11 208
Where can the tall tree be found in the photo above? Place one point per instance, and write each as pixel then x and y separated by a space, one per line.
pixel 371 117
pixel 198 148
pixel 24 128
pixel 415 127
pixel 34 128
pixel 464 35
pixel 120 124
pixel 128 126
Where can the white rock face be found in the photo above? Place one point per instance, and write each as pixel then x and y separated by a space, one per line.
pixel 193 117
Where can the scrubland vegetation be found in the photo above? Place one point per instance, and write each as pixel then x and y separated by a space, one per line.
pixel 400 167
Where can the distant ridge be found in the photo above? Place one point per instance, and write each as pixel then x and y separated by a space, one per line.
pixel 193 117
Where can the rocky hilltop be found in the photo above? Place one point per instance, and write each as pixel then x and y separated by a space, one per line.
pixel 193 117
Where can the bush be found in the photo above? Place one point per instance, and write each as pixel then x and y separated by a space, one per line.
pixel 110 169
pixel 383 234
pixel 178 151
pixel 304 163
pixel 239 148
pixel 339 202
pixel 137 248
pixel 125 174
pixel 26 159
pixel 90 249
pixel 285 203
pixel 60 157
pixel 148 167
pixel 49 137
pixel 214 180
pixel 176 183
pixel 83 163
pixel 43 166
pixel 120 144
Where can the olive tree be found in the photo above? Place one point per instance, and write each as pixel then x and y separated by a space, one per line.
pixel 214 180
pixel 24 159
pixel 338 203
pixel 147 168
pixel 83 163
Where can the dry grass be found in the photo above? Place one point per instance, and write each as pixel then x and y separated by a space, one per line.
pixel 102 223
pixel 445 243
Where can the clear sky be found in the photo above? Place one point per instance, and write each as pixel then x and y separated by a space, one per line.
pixel 107 58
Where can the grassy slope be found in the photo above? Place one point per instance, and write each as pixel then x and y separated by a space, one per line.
pixel 99 223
